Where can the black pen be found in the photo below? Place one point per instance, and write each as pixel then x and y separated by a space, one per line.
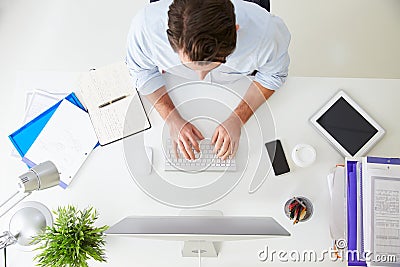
pixel 112 101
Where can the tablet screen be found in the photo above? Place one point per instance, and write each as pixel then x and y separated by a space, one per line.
pixel 347 126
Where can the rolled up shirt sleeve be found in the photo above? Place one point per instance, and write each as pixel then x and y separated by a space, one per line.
pixel 139 59
pixel 274 62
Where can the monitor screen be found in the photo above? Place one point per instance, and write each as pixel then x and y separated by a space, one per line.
pixel 347 126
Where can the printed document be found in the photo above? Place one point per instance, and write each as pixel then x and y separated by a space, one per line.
pixel 67 141
pixel 37 102
pixel 386 216
pixel 381 211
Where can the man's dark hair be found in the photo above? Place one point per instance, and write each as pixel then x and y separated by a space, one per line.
pixel 205 30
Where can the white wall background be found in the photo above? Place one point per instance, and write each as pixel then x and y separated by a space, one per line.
pixel 356 38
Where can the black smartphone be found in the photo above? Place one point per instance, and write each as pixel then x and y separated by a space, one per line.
pixel 277 157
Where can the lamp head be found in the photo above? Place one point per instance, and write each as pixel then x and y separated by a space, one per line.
pixel 26 223
pixel 30 219
pixel 41 176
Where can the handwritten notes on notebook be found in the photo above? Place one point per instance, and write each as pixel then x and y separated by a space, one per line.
pixel 67 140
pixel 113 103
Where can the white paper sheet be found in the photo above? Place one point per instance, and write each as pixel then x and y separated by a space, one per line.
pixel 381 215
pixel 67 140
pixel 37 102
pixel 386 217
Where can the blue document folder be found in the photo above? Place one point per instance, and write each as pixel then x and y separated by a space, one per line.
pixel 24 137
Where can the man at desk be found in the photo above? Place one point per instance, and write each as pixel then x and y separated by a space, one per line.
pixel 202 35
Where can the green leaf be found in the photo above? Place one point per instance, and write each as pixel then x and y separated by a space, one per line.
pixel 72 240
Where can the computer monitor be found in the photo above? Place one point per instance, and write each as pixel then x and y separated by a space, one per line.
pixel 200 233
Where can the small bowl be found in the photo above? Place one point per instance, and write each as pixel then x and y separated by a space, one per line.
pixel 306 202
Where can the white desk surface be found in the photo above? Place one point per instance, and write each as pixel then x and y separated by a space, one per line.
pixel 66 36
pixel 105 183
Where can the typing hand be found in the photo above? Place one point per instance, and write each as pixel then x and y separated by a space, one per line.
pixel 226 137
pixel 185 136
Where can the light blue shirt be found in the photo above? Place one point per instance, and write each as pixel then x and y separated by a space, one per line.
pixel 262 45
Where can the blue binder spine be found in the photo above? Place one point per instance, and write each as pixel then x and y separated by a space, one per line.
pixel 352 215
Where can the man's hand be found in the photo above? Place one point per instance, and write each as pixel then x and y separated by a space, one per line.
pixel 226 137
pixel 184 135
pixel 227 134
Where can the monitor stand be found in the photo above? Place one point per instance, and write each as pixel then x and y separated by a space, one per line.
pixel 201 248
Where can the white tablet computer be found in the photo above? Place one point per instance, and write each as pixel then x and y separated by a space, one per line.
pixel 348 127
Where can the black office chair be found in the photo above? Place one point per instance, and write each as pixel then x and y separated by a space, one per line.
pixel 262 3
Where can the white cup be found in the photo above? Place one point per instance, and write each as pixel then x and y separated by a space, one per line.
pixel 303 155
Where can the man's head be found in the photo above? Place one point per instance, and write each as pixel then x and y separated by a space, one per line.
pixel 202 30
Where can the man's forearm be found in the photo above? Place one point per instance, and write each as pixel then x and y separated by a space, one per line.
pixel 162 103
pixel 254 97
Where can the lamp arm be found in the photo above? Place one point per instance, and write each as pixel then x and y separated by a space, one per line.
pixel 8 199
pixel 13 205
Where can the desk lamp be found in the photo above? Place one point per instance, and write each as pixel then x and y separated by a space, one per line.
pixel 32 217
pixel 39 177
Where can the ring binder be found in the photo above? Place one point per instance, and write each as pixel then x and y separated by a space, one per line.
pixel 373 184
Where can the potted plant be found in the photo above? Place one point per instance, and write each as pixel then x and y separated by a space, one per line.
pixel 72 240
